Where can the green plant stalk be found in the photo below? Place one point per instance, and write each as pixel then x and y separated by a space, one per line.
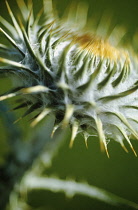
pixel 22 154
pixel 71 188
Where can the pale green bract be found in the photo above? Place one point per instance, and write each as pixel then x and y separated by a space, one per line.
pixel 75 75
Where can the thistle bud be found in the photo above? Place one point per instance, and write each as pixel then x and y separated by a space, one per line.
pixel 84 79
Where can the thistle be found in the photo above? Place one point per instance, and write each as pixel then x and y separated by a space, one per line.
pixel 83 79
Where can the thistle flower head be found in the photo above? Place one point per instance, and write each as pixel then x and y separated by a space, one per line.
pixel 85 80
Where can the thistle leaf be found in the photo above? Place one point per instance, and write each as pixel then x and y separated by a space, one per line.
pixel 12 41
pixel 17 27
pixel 43 114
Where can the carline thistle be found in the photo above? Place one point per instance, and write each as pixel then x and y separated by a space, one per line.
pixel 65 70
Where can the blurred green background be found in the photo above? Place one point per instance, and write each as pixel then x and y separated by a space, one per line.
pixel 119 173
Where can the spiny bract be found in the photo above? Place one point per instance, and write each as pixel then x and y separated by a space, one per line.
pixel 84 80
